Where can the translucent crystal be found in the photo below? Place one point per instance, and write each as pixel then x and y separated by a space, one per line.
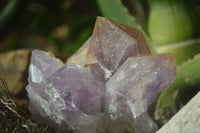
pixel 108 86
pixel 65 96
pixel 112 43
pixel 135 86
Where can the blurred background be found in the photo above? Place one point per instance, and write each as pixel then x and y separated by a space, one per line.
pixel 62 26
pixel 59 26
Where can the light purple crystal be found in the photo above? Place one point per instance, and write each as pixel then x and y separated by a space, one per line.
pixel 135 86
pixel 78 88
pixel 64 96
pixel 42 65
pixel 107 88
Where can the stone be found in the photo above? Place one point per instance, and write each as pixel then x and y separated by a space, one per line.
pixel 80 58
pixel 108 86
pixel 14 66
pixel 186 120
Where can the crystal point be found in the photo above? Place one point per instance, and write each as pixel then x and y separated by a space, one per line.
pixel 112 43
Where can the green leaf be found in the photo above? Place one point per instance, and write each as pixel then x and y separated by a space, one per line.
pixel 183 50
pixel 172 21
pixel 140 13
pixel 8 12
pixel 115 10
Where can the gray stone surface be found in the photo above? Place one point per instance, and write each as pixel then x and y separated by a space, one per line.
pixel 187 120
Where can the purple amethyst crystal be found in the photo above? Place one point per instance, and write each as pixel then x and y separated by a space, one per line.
pixel 64 96
pixel 106 87
pixel 135 86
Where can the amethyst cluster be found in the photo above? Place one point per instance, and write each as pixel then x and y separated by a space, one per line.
pixel 108 86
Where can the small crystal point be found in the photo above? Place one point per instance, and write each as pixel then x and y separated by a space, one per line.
pixel 42 65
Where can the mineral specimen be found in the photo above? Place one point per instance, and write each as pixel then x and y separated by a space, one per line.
pixel 108 86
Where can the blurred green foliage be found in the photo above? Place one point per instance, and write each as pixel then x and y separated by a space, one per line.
pixel 59 26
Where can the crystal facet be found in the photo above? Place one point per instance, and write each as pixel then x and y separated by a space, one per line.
pixel 106 87
pixel 135 86
pixel 112 43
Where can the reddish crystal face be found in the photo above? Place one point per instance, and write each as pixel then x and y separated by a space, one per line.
pixel 112 43
pixel 107 86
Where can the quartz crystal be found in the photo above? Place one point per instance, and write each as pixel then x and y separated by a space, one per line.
pixel 112 43
pixel 108 86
